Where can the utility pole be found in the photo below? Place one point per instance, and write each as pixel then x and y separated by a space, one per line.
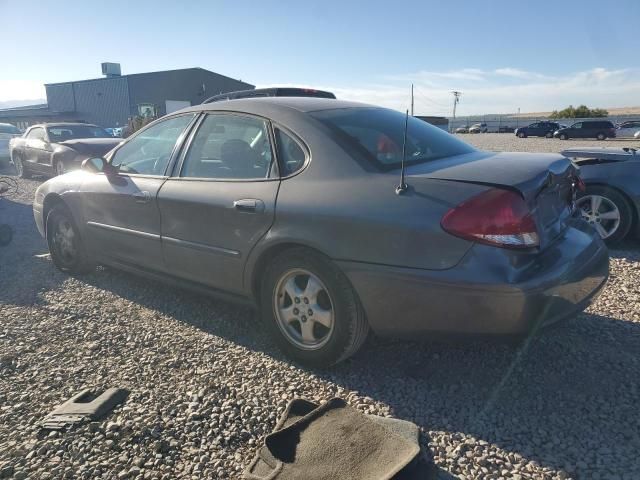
pixel 412 99
pixel 456 100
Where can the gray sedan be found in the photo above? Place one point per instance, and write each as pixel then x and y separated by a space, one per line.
pixel 298 206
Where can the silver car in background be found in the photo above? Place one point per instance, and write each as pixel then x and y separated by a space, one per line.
pixel 627 129
pixel 298 206
pixel 7 132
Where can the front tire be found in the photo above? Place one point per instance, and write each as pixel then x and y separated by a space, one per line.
pixel 522 135
pixel 608 211
pixel 58 168
pixel 311 309
pixel 564 136
pixel 601 136
pixel 21 169
pixel 549 135
pixel 66 247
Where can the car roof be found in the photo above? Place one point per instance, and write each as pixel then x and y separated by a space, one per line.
pixel 608 153
pixel 64 124
pixel 301 104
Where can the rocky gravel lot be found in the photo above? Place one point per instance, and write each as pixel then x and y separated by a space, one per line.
pixel 207 384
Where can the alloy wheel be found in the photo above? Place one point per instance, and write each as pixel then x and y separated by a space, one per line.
pixel 600 212
pixel 17 163
pixel 64 240
pixel 303 309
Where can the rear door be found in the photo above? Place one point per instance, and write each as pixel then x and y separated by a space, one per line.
pixel 121 209
pixel 220 201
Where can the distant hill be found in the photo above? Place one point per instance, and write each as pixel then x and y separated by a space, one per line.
pixel 21 103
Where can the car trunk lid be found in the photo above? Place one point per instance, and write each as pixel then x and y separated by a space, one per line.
pixel 545 181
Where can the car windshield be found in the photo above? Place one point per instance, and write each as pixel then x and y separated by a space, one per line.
pixel 68 132
pixel 10 129
pixel 379 134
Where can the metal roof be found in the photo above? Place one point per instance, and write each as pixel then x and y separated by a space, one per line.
pixel 141 74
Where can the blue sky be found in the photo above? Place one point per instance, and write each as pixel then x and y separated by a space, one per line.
pixel 503 55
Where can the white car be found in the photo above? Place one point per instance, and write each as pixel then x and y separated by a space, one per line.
pixel 637 135
pixel 7 132
pixel 627 129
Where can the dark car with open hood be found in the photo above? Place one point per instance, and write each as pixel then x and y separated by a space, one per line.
pixel 334 219
pixel 55 148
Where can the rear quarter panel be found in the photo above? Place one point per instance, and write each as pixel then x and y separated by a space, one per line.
pixel 362 219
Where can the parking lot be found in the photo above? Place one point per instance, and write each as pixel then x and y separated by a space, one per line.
pixel 207 384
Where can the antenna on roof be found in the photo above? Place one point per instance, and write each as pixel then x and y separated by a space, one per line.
pixel 400 189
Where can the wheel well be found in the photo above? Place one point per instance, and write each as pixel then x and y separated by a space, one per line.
pixel 266 257
pixel 50 201
pixel 634 210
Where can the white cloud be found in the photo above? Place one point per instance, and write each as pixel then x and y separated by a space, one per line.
pixel 11 90
pixel 503 90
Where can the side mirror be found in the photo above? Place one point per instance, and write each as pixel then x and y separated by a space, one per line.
pixel 96 165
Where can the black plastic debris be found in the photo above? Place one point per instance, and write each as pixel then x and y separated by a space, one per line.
pixel 84 407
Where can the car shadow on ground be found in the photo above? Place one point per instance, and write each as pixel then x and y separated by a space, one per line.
pixel 19 263
pixel 488 388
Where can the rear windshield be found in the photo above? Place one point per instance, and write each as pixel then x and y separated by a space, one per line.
pixel 68 132
pixel 4 128
pixel 378 133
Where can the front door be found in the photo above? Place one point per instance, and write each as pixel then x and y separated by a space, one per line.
pixel 576 130
pixel 121 207
pixel 220 202
pixel 36 147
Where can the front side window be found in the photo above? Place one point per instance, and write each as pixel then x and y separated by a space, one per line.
pixel 149 152
pixel 229 146
pixel 378 133
pixel 577 125
pixel 36 134
pixel 68 132
pixel 534 125
pixel 290 153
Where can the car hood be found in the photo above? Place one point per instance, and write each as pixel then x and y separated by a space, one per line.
pixel 91 146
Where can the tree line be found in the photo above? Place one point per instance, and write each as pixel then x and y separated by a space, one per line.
pixel 581 112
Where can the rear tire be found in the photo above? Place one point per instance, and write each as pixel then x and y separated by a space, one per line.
pixel 21 169
pixel 284 314
pixel 608 198
pixel 549 135
pixel 68 251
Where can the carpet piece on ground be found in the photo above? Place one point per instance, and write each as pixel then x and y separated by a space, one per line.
pixel 334 441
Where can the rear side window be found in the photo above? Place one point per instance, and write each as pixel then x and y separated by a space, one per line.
pixel 229 146
pixel 290 153
pixel 378 134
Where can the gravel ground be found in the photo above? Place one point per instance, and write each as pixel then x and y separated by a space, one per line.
pixel 207 384
pixel 508 142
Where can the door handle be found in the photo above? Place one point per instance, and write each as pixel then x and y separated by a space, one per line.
pixel 249 205
pixel 141 197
